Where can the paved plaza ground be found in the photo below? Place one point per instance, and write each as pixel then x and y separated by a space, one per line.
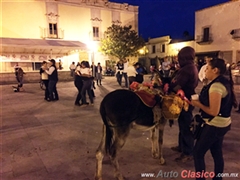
pixel 57 141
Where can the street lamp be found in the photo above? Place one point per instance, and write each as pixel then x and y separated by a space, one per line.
pixel 143 51
pixel 92 46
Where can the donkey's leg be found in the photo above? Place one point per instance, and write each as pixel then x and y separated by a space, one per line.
pixel 119 141
pixel 160 139
pixel 100 155
pixel 154 140
pixel 154 133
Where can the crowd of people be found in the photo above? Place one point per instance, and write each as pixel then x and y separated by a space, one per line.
pixel 130 72
pixel 215 100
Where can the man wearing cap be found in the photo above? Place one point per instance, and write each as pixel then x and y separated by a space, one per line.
pixel 187 80
pixel 53 79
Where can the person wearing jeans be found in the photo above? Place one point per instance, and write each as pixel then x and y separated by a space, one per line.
pixel 87 79
pixel 53 79
pixel 215 102
pixel 186 79
pixel 44 78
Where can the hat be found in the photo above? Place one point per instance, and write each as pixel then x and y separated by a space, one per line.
pixel 52 60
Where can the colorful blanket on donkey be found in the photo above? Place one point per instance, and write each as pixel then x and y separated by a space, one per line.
pixel 145 92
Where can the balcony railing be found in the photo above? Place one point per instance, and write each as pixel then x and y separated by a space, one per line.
pixel 235 34
pixel 201 39
pixel 52 34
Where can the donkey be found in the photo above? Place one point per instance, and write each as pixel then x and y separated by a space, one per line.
pixel 121 111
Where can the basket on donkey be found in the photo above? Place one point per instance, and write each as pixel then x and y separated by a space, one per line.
pixel 172 106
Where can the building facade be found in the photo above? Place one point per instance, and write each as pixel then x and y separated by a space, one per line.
pixel 67 30
pixel 217 31
pixel 217 34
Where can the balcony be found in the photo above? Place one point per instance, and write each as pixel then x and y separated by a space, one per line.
pixel 47 33
pixel 235 34
pixel 203 39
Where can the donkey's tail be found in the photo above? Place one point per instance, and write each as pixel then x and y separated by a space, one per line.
pixel 108 130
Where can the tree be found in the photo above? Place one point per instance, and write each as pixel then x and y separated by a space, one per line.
pixel 186 36
pixel 121 42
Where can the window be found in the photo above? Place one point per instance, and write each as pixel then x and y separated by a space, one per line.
pixel 52 29
pixel 153 49
pixel 96 32
pixel 206 34
pixel 163 48
pixel 36 65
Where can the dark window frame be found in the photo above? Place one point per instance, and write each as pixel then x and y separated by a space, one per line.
pixel 95 32
pixel 153 49
pixel 53 29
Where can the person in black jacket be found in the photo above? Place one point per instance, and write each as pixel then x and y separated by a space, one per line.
pixel 187 80
pixel 215 102
pixel 53 79
pixel 78 82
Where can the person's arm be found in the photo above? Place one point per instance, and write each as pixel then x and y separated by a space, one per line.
pixel 216 92
pixel 179 81
pixel 214 104
pixel 50 71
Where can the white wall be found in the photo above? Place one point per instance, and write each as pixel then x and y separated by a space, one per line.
pixel 222 19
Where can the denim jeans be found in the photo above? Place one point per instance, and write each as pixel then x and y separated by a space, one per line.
pixel 46 90
pixel 185 137
pixel 78 84
pixel 87 84
pixel 53 94
pixel 119 78
pixel 126 79
pixel 211 138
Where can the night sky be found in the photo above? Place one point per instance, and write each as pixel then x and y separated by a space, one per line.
pixel 168 17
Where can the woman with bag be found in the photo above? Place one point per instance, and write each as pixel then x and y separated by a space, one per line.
pixel 215 102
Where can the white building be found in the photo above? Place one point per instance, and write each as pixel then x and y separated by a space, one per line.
pixel 36 30
pixel 217 31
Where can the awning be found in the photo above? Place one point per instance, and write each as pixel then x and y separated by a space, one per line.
pixel 39 46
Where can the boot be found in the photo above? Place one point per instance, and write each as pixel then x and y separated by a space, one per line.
pixel 100 82
pixel 97 82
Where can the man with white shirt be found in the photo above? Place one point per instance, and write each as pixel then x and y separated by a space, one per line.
pixel 72 69
pixel 132 73
pixel 201 74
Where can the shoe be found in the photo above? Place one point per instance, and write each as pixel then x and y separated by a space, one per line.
pixel 85 104
pixel 77 104
pixel 176 149
pixel 92 104
pixel 184 158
